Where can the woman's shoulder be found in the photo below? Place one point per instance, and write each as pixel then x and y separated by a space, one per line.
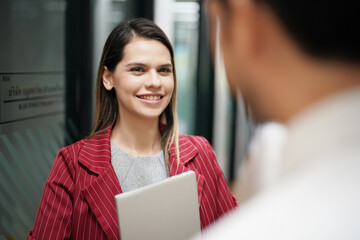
pixel 198 145
pixel 197 141
pixel 95 141
pixel 72 148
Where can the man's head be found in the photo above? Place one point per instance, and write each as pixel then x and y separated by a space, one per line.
pixel 282 46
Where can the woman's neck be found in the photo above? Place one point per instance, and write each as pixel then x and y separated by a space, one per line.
pixel 137 136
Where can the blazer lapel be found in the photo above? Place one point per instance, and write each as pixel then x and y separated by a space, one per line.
pixel 96 156
pixel 188 152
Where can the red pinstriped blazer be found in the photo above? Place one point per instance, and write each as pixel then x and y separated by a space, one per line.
pixel 78 198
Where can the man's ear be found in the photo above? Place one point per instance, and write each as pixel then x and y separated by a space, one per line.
pixel 250 26
pixel 253 31
pixel 213 9
pixel 107 79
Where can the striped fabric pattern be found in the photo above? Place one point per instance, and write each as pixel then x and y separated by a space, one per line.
pixel 78 198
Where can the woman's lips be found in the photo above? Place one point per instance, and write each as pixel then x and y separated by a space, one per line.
pixel 150 99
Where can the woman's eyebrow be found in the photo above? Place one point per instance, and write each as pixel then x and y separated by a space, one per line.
pixel 135 64
pixel 142 64
pixel 166 65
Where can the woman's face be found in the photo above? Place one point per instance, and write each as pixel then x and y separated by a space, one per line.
pixel 143 79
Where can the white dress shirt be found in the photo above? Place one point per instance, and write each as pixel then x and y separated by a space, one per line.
pixel 318 195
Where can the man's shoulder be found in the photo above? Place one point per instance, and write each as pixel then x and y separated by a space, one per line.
pixel 317 203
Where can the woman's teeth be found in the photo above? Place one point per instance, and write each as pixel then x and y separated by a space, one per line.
pixel 150 97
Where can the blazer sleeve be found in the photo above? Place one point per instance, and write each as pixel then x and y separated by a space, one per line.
pixel 53 220
pixel 226 201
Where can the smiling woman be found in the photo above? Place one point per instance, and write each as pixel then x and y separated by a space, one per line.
pixel 143 81
pixel 135 142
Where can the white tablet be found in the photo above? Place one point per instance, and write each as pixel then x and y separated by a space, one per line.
pixel 164 210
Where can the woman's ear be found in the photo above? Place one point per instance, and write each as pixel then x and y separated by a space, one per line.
pixel 107 79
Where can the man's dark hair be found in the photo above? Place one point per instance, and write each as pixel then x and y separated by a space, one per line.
pixel 323 28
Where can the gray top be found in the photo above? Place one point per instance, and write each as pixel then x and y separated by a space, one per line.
pixel 137 171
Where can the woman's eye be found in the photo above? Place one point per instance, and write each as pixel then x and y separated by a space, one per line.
pixel 164 70
pixel 137 70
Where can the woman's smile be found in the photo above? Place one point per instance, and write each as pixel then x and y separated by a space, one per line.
pixel 150 98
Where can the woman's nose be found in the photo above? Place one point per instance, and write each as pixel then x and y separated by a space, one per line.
pixel 153 80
